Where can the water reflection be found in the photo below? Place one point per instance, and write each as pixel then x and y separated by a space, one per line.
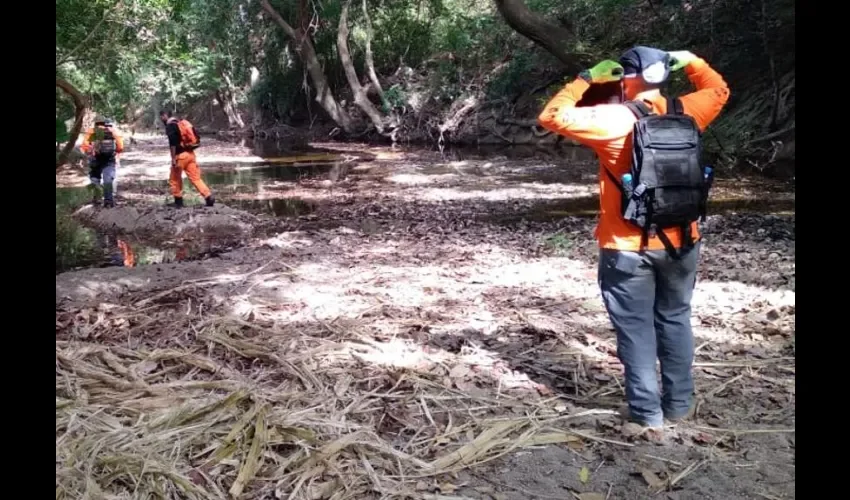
pixel 122 251
pixel 279 207
pixel 290 173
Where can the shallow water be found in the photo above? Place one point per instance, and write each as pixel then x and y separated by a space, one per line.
pixel 262 189
pixel 78 246
pixel 279 207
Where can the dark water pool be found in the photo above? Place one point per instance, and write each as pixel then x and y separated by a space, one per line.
pixel 79 246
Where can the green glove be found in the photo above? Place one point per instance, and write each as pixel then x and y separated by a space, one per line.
pixel 679 59
pixel 604 72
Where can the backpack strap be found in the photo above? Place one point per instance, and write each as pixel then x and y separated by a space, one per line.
pixel 638 108
pixel 668 245
pixel 688 242
pixel 675 106
pixel 614 179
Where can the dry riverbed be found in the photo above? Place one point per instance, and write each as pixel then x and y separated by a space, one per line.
pixel 390 323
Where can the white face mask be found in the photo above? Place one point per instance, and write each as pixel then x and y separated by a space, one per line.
pixel 655 73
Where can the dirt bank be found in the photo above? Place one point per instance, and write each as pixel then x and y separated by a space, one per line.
pixel 157 221
pixel 431 327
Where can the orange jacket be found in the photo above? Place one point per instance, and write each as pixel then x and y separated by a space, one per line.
pixel 86 147
pixel 606 128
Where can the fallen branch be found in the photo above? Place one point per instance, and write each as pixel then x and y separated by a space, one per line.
pixel 772 135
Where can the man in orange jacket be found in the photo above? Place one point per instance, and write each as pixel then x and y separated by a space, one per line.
pixel 646 290
pixel 102 144
pixel 182 160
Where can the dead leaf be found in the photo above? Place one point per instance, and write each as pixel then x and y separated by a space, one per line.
pixel 342 386
pixel 591 496
pixel 652 479
pixel 197 477
pixel 323 491
pixel 422 486
pixel 702 438
pixel 576 445
pixel 714 371
pixel 459 371
pixel 584 474
pixel 631 429
pixel 447 488
pixel 543 389
pixel 144 367
pixel 552 438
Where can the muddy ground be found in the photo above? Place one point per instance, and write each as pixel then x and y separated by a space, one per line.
pixel 476 273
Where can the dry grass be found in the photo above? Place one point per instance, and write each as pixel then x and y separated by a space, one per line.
pixel 235 410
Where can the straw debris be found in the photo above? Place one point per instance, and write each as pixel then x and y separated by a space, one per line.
pixel 233 411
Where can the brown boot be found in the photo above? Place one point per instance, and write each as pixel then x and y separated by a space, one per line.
pixel 681 418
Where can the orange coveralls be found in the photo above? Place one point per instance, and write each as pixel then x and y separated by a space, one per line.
pixel 606 128
pixel 186 162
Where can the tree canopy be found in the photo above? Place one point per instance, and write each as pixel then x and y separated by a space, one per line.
pixel 380 66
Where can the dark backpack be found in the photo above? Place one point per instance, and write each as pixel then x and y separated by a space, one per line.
pixel 669 188
pixel 104 144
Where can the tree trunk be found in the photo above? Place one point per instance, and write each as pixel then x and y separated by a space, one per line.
pixel 550 36
pixel 228 102
pixel 360 97
pixel 79 113
pixel 155 106
pixel 234 119
pixel 304 46
pixel 370 61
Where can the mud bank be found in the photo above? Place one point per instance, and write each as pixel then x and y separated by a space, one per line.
pixel 167 223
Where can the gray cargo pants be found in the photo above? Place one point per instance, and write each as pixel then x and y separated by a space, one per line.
pixel 648 298
pixel 103 175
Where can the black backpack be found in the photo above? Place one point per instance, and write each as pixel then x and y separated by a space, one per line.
pixel 669 187
pixel 104 144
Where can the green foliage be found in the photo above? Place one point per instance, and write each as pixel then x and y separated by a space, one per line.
pixel 514 78
pixel 395 96
pixel 61 131
pixel 75 244
pixel 174 52
pixel 128 54
pixel 557 243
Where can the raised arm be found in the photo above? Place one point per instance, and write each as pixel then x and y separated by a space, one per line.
pixel 86 146
pixel 711 93
pixel 119 141
pixel 593 125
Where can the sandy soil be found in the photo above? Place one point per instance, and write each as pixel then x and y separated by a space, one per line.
pixel 480 273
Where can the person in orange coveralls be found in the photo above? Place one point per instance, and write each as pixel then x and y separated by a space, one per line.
pixel 646 291
pixel 183 160
pixel 102 144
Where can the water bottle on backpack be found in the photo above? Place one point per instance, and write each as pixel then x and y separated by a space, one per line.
pixel 709 175
pixel 627 185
